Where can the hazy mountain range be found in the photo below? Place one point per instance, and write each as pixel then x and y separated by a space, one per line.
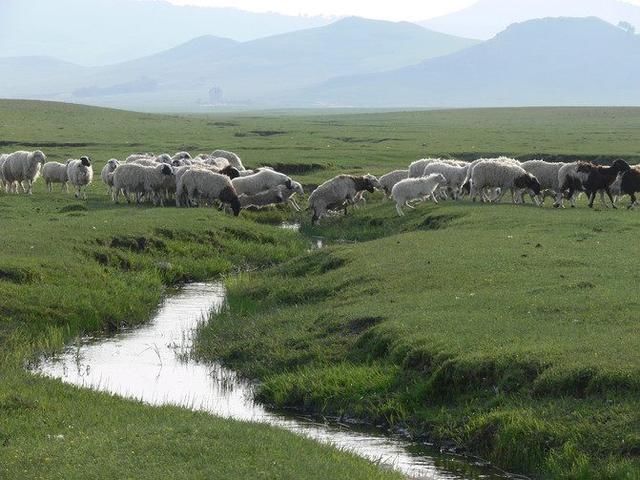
pixel 247 73
pixel 561 61
pixel 349 62
pixel 486 18
pixel 99 32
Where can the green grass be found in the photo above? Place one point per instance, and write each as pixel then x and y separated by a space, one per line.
pixel 510 331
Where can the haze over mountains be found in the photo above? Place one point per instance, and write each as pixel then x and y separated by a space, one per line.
pixel 562 61
pixel 352 62
pixel 486 18
pixel 246 73
pixel 100 32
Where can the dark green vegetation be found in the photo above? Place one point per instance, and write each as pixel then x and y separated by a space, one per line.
pixel 509 330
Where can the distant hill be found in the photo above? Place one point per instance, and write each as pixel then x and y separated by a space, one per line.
pixel 210 69
pixel 99 32
pixel 565 61
pixel 486 18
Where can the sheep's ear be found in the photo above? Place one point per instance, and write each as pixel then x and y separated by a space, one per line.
pixel 288 184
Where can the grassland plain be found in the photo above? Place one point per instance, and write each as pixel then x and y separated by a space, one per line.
pixel 508 330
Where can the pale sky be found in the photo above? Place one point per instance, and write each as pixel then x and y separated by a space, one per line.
pixel 395 10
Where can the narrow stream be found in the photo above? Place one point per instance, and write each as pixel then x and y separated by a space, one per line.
pixel 148 363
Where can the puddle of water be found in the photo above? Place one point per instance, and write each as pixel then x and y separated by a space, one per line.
pixel 147 364
pixel 317 243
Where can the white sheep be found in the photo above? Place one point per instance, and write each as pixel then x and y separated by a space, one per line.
pixel 547 175
pixel 107 174
pixel 273 196
pixel 233 158
pixel 163 158
pixel 337 192
pixel 23 167
pixel 455 174
pixel 199 184
pixel 503 175
pixel 570 181
pixel 416 169
pixel 132 178
pixel 264 179
pixel 390 179
pixel 415 188
pixel 55 172
pixel 181 156
pixel 80 175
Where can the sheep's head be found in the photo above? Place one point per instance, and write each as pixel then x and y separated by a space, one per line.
pixel 230 172
pixel 85 161
pixel 529 182
pixel 621 166
pixel 585 167
pixel 39 157
pixel 177 162
pixel 229 195
pixel 164 158
pixel 297 188
pixel 166 170
pixel 373 181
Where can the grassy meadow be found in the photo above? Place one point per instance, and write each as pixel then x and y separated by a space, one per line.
pixel 508 331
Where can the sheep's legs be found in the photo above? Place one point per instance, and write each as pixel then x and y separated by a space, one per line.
pixel 399 210
pixel 634 201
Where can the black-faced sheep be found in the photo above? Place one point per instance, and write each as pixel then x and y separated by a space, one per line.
pixel 335 193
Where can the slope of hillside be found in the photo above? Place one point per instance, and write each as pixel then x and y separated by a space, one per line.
pixel 564 61
pixel 486 18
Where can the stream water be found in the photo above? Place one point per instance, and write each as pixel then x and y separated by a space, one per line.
pixel 151 364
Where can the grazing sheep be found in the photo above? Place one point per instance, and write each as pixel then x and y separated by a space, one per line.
pixel 335 193
pixel 274 196
pixel 455 175
pixel 80 175
pixel 55 172
pixel 547 174
pixel 264 179
pixel 415 188
pixel 204 185
pixel 233 158
pixel 570 181
pixel 140 180
pixel 390 179
pixel 599 179
pixel 107 174
pixel 505 175
pixel 630 184
pixel 23 167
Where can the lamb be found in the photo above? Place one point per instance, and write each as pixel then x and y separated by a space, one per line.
pixel 80 175
pixel 201 184
pixel 55 172
pixel 414 188
pixel 455 175
pixel 264 179
pixel 547 174
pixel 279 194
pixel 107 174
pixel 234 159
pixel 630 184
pixel 23 167
pixel 390 179
pixel 336 192
pixel 504 175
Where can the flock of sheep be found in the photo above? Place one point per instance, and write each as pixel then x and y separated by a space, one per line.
pixel 221 178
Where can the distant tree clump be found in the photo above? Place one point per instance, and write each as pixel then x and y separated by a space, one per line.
pixel 628 27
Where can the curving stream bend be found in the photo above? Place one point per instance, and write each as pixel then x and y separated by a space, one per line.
pixel 148 363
